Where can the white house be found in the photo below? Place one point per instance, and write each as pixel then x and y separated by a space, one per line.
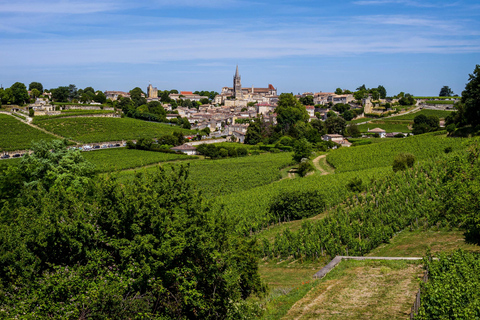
pixel 382 133
pixel 337 138
pixel 185 148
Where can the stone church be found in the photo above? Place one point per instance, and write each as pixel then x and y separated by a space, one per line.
pixel 244 95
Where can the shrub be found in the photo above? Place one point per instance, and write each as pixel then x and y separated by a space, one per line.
pixel 305 167
pixel 297 204
pixel 31 112
pixel 355 185
pixel 403 161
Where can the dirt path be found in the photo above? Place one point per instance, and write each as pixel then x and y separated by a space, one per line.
pixel 316 163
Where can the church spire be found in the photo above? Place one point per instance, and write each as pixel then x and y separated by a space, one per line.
pixel 236 73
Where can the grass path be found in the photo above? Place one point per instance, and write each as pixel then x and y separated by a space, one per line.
pixel 321 165
pixel 361 290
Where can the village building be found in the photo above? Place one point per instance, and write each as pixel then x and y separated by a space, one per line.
pixel 152 93
pixel 186 149
pixel 184 95
pixel 382 133
pixel 237 95
pixel 337 138
pixel 114 95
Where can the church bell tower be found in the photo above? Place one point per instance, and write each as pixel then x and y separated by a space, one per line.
pixel 237 85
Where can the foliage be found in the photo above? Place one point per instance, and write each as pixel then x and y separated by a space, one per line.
pixel 302 150
pixel 289 111
pixel 16 135
pixel 19 93
pixel 222 151
pixel 424 124
pixel 148 247
pixel 355 185
pixel 445 92
pixel 471 98
pixel 403 161
pixel 407 100
pixel 423 147
pixel 426 112
pixel 305 167
pixel 35 85
pixel 335 125
pixel 60 94
pixel 297 204
pixel 106 129
pixel 453 287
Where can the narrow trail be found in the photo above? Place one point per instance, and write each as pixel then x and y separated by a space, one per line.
pixel 316 163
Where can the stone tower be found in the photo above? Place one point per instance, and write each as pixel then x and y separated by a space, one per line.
pixel 237 85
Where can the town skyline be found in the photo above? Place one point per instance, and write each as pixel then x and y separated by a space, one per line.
pixel 298 46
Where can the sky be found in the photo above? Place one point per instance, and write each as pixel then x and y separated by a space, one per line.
pixel 298 46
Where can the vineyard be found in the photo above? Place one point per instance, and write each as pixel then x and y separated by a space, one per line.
pixel 385 125
pixel 16 135
pixel 90 130
pixel 453 287
pixel 120 158
pixel 72 113
pixel 426 112
pixel 250 209
pixel 363 222
pixel 232 175
pixel 423 147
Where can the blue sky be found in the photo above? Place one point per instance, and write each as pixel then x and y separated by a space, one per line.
pixel 305 45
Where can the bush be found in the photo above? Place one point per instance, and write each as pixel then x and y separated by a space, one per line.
pixel 355 185
pixel 305 167
pixel 403 161
pixel 31 112
pixel 297 204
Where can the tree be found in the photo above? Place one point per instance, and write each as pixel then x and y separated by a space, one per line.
pixel 60 94
pixel 382 91
pixel 35 93
pixel 35 85
pixel 445 92
pixel 72 92
pixel 359 95
pixel 348 115
pixel 361 88
pixel 423 124
pixel 305 167
pixel 254 133
pixel 335 125
pixel 407 100
pixel 100 97
pixel 138 96
pixel 471 98
pixel 375 94
pixel 338 91
pixel 302 149
pixel 186 124
pixel 353 131
pixel 307 101
pixel 289 111
pixel 19 92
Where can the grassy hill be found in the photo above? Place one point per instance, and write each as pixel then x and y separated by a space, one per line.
pixel 16 135
pixel 88 130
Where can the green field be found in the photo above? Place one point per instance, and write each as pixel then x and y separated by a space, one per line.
pixel 439 102
pixel 106 160
pixel 16 135
pixel 423 147
pixel 90 130
pixel 232 175
pixel 250 208
pixel 427 112
pixel 385 125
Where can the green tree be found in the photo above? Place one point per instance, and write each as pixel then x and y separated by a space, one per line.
pixel 348 115
pixel 445 92
pixel 138 96
pixel 100 97
pixel 72 92
pixel 35 93
pixel 307 101
pixel 338 91
pixel 353 130
pixel 60 94
pixel 359 95
pixel 289 111
pixel 302 149
pixel 471 98
pixel 375 94
pixel 35 85
pixel 335 125
pixel 254 132
pixel 19 92
pixel 382 91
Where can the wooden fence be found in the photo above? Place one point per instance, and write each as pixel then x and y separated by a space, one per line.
pixel 416 304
